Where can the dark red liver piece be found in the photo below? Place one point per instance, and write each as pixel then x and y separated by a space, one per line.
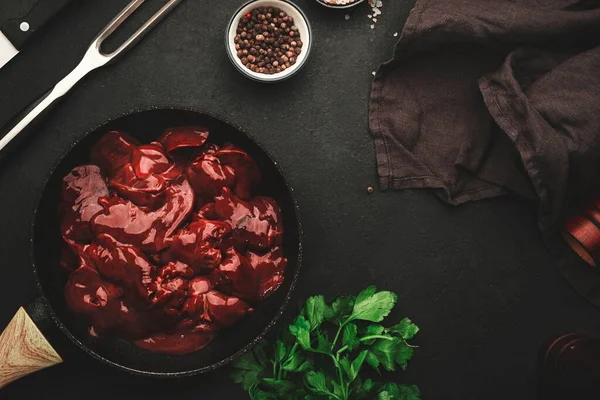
pixel 81 190
pixel 167 246
pixel 198 245
pixel 167 301
pixel 113 151
pixel 256 224
pixel 151 231
pixel 207 309
pixel 225 310
pixel 176 344
pixel 254 277
pixel 182 137
pixel 207 211
pixel 149 159
pixel 194 306
pixel 147 192
pixel 176 269
pixel 208 176
pixel 247 174
pixel 124 265
pixel 269 268
pixel 102 303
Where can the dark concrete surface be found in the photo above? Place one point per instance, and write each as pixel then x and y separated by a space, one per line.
pixel 477 278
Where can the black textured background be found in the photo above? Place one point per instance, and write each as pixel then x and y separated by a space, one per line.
pixel 476 278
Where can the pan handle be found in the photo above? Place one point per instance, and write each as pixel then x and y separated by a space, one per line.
pixel 24 349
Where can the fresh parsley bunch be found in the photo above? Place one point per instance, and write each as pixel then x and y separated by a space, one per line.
pixel 303 363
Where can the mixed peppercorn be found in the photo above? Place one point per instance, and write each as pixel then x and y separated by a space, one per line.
pixel 267 41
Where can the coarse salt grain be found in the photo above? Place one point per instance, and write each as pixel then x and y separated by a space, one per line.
pixel 338 2
pixel 375 10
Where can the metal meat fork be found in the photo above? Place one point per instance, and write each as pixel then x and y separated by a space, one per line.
pixel 94 58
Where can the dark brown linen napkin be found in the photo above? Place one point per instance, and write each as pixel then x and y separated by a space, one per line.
pixel 489 97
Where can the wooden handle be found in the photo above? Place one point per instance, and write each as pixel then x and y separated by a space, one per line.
pixel 23 349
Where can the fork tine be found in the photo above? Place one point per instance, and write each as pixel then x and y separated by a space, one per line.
pixel 117 21
pixel 140 33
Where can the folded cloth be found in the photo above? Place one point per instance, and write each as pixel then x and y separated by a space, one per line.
pixel 489 97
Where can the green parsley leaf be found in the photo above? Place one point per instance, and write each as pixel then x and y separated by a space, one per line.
pixel 245 378
pixel 280 385
pixel 363 390
pixel 296 363
pixel 353 368
pixel 261 355
pixel 394 391
pixel 349 337
pixel 346 367
pixel 248 362
pixel 259 394
pixel 372 330
pixel 247 371
pixel 323 341
pixel 367 386
pixel 337 388
pixel 373 306
pixel 385 395
pixel 385 351
pixel 315 381
pixel 403 354
pixel 405 328
pixel 357 363
pixel 373 361
pixel 315 311
pixel 409 392
pixel 365 294
pixel 301 330
pixel 340 308
pixel 280 350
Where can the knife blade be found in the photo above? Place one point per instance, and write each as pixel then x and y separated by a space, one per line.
pixel 15 33
pixel 7 50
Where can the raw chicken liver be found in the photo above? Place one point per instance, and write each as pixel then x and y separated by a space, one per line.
pixel 164 243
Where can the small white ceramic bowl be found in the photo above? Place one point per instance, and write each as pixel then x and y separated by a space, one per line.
pixel 300 21
pixel 340 6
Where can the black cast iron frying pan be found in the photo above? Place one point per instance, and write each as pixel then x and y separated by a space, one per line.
pixel 23 347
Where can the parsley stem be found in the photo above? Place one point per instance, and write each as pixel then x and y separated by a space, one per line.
pixel 319 351
pixel 334 396
pixel 342 382
pixel 376 337
pixel 294 348
pixel 342 349
pixel 337 335
pixel 336 362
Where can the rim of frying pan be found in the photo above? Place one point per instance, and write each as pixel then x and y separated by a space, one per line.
pixel 197 371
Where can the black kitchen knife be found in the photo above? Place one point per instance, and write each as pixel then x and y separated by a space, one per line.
pixel 15 33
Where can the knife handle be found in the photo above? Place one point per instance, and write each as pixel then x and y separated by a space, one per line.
pixel 19 30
